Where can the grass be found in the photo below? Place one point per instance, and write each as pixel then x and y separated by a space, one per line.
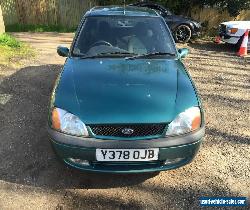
pixel 38 28
pixel 13 51
pixel 9 41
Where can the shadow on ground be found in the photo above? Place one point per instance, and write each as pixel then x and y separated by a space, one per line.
pixel 210 46
pixel 26 154
pixel 164 198
pixel 27 158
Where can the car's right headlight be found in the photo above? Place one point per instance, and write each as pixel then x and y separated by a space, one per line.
pixel 68 123
pixel 185 122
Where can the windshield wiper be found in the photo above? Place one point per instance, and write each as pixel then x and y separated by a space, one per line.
pixel 102 55
pixel 151 55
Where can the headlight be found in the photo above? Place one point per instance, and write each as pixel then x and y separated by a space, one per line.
pixel 185 122
pixel 232 30
pixel 68 123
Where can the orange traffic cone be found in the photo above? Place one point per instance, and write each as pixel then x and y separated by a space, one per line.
pixel 243 48
pixel 217 40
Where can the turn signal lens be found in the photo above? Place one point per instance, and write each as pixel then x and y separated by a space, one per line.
pixel 196 123
pixel 56 119
pixel 233 30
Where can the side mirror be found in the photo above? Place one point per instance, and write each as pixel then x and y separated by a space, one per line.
pixel 62 51
pixel 183 52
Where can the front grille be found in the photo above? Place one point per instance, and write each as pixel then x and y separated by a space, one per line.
pixel 139 130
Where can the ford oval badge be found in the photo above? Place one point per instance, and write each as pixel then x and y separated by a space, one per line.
pixel 127 131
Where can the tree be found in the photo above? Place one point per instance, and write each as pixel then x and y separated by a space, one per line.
pixel 234 7
pixel 2 27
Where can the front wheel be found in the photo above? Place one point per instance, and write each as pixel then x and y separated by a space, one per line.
pixel 182 34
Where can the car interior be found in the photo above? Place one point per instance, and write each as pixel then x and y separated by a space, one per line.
pixel 125 35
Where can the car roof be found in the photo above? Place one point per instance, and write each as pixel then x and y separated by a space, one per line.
pixel 121 11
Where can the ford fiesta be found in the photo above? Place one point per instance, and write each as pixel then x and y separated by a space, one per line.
pixel 124 102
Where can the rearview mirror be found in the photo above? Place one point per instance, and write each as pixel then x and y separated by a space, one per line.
pixel 183 52
pixel 62 51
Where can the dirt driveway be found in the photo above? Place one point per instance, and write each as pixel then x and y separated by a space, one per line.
pixel 32 178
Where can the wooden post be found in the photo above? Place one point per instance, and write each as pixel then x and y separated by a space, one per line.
pixel 2 26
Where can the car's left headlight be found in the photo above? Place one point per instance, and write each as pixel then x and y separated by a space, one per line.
pixel 68 123
pixel 185 122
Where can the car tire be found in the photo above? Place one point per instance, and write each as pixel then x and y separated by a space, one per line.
pixel 182 33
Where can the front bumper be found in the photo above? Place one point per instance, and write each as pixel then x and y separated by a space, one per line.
pixel 181 149
pixel 229 39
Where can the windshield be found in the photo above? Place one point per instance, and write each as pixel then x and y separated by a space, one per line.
pixel 122 35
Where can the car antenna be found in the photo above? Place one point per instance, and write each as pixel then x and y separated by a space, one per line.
pixel 124 6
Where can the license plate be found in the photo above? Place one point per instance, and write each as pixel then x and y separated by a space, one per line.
pixel 127 154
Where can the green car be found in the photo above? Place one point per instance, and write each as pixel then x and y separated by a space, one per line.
pixel 124 102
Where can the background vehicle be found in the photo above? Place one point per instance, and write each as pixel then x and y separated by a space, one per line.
pixel 183 28
pixel 232 32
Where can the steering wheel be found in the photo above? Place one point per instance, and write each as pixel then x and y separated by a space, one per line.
pixel 102 42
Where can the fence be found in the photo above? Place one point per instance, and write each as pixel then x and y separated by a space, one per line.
pixel 213 17
pixel 67 13
pixel 45 12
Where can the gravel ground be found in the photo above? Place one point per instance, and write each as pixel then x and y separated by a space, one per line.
pixel 32 178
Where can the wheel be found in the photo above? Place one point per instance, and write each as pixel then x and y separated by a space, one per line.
pixel 182 34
